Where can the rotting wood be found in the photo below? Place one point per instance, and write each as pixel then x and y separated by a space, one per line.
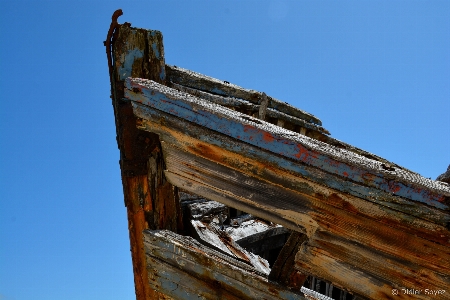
pixel 214 146
pixel 283 270
pixel 254 231
pixel 204 184
pixel 192 270
pixel 356 210
pixel 210 235
pixel 138 52
pixel 282 119
pixel 214 86
pixel 293 146
pixel 198 210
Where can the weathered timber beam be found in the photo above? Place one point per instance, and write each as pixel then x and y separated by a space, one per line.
pixel 363 270
pixel 326 188
pixel 356 275
pixel 150 200
pixel 199 210
pixel 192 271
pixel 296 147
pixel 247 106
pixel 304 210
pixel 211 85
pixel 283 270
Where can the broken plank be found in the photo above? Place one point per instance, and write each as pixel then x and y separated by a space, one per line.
pixel 249 107
pixel 214 275
pixel 198 210
pixel 211 85
pixel 215 238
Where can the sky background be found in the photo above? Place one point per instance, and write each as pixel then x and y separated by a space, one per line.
pixel 377 73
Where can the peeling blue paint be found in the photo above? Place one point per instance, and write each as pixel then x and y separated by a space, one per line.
pixel 340 184
pixel 127 65
pixel 244 131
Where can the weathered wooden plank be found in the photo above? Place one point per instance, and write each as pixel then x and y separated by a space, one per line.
pixel 190 270
pixel 282 120
pixel 293 146
pixel 350 254
pixel 349 276
pixel 250 108
pixel 211 236
pixel 255 162
pixel 307 211
pixel 211 85
pixel 137 52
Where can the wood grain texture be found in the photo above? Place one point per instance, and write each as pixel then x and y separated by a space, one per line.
pixel 247 107
pixel 211 236
pixel 211 85
pixel 296 147
pixel 283 270
pixel 387 235
pixel 256 162
pixel 193 271
pixel 138 52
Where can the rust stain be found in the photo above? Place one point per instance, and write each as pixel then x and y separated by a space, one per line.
pixel 205 151
pixel 303 153
pixel 336 201
pixel 228 242
pixel 394 187
pixel 267 137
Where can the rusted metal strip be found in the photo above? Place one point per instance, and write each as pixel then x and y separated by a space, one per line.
pixel 293 146
pixel 211 85
pixel 193 271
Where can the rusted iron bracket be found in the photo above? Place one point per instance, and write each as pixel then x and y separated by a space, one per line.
pixel 110 38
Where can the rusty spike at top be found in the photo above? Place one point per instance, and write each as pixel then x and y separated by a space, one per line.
pixel 107 43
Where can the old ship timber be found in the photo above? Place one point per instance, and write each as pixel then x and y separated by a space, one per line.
pixel 233 194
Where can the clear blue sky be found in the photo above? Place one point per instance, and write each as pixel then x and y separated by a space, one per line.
pixel 377 73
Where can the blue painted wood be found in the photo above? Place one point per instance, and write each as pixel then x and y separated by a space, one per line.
pixel 398 208
pixel 288 144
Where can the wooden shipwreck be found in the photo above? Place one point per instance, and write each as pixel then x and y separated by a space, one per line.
pixel 320 215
